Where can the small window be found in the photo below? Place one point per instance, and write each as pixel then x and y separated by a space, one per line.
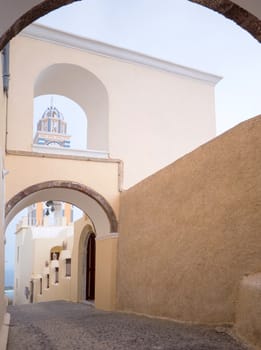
pixel 67 267
pixel 17 255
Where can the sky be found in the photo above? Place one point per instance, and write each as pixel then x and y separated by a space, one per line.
pixel 177 31
pixel 181 32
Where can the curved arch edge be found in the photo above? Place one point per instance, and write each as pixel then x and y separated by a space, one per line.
pixel 236 13
pixel 30 16
pixel 226 7
pixel 66 185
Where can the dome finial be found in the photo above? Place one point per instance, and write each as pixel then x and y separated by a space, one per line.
pixel 51 104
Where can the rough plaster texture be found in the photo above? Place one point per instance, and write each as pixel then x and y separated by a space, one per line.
pixel 190 232
pixel 248 315
pixel 105 278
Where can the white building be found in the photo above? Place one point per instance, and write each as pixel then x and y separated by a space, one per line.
pixel 43 256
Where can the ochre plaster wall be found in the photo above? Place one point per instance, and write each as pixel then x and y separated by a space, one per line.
pixel 248 311
pixel 25 171
pixel 3 330
pixel 105 278
pixel 2 253
pixel 190 232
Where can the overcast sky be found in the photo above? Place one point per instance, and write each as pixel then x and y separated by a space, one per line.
pixel 181 32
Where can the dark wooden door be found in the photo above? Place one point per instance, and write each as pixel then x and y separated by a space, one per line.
pixel 31 291
pixel 90 268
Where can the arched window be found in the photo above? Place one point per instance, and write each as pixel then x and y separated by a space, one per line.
pixel 72 87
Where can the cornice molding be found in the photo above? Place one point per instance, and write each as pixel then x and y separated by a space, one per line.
pixel 38 31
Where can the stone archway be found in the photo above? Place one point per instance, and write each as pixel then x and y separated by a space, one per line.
pixel 30 16
pixel 103 222
pixel 236 13
pixel 27 197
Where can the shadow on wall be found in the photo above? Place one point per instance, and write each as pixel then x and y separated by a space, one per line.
pixel 189 233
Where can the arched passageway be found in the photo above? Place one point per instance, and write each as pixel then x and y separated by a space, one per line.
pixel 94 253
pixel 85 198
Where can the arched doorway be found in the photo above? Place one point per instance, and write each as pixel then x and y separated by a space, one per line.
pixel 90 267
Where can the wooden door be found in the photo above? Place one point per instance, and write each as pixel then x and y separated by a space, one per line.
pixel 90 268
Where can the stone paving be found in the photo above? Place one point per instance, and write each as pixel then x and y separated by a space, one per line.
pixel 63 325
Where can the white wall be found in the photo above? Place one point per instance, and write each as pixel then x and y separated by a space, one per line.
pixel 155 116
pixel 35 244
pixel 23 264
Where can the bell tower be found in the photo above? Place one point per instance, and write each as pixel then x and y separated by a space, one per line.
pixel 52 129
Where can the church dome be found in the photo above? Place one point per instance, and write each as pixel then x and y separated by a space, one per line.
pixel 52 112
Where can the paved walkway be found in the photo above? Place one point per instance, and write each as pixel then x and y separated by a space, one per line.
pixel 63 325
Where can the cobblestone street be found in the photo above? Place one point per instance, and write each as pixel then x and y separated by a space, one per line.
pixel 63 325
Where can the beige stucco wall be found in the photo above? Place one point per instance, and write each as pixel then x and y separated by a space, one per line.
pixel 3 331
pixel 153 114
pixel 33 170
pixel 189 233
pixel 2 255
pixel 106 269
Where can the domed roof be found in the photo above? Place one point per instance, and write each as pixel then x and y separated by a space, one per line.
pixel 52 112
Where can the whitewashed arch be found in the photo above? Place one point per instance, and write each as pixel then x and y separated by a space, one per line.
pixel 83 87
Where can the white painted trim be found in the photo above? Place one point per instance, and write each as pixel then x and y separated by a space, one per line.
pixel 87 153
pixel 41 32
pixel 107 236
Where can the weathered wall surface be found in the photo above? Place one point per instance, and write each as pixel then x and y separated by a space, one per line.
pixel 190 232
pixel 248 311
